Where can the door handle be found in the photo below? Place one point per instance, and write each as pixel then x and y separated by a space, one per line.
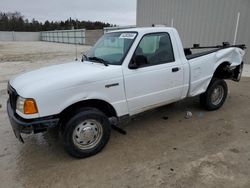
pixel 176 69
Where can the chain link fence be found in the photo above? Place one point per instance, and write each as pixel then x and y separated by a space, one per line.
pixel 76 36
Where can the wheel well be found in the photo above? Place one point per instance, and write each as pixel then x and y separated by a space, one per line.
pixel 223 71
pixel 101 105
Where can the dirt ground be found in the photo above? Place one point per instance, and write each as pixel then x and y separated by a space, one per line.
pixel 161 148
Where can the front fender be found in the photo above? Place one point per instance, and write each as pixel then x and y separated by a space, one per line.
pixel 56 102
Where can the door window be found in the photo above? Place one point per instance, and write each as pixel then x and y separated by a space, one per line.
pixel 156 48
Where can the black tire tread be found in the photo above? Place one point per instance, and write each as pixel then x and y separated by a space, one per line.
pixel 81 114
pixel 205 99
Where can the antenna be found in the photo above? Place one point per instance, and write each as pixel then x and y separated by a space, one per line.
pixel 76 41
pixel 76 51
pixel 172 22
pixel 236 28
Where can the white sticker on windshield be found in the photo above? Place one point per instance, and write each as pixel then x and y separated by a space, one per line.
pixel 127 36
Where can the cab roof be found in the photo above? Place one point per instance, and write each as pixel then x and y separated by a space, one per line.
pixel 145 29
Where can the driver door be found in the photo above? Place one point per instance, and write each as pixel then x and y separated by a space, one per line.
pixel 157 82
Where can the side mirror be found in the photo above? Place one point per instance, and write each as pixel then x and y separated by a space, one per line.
pixel 138 61
pixel 133 66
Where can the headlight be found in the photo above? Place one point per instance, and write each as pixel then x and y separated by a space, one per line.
pixel 26 106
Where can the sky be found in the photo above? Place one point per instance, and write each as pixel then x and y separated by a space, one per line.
pixel 111 11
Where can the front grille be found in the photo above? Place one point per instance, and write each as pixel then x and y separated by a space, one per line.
pixel 13 97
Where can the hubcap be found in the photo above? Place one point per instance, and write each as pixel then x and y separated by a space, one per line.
pixel 87 134
pixel 217 95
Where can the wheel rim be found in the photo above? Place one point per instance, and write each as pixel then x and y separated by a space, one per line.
pixel 217 95
pixel 87 134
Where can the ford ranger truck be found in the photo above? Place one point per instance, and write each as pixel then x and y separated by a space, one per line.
pixel 126 73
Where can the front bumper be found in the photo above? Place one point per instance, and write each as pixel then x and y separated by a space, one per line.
pixel 20 125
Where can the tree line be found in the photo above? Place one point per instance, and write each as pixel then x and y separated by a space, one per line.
pixel 17 22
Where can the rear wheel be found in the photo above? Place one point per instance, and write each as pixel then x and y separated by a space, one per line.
pixel 215 95
pixel 86 133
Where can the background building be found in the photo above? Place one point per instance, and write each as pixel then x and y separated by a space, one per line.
pixel 207 22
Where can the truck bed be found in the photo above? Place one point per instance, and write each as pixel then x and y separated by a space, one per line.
pixel 204 64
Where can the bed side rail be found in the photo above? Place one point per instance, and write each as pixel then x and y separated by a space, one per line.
pixel 224 45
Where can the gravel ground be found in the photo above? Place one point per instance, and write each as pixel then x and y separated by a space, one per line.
pixel 246 70
pixel 161 149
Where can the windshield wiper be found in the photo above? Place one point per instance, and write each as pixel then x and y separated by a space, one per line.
pixel 84 57
pixel 97 59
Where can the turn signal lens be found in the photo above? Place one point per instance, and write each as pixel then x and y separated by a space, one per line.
pixel 30 107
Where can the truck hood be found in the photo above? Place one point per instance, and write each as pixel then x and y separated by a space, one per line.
pixel 63 76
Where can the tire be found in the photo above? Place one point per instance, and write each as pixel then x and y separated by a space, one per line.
pixel 86 133
pixel 215 96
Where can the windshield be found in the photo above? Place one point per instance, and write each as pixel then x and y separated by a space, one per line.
pixel 112 48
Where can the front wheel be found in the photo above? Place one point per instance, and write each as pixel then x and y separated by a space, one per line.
pixel 215 96
pixel 86 133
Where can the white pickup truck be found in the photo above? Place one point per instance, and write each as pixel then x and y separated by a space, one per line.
pixel 126 72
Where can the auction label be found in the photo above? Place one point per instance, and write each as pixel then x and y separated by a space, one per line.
pixel 127 35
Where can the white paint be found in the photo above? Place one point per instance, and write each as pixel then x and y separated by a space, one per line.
pixel 155 85
pixel 236 28
pixel 202 68
pixel 57 87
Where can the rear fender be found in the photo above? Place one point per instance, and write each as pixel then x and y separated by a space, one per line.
pixel 237 72
pixel 226 71
pixel 229 64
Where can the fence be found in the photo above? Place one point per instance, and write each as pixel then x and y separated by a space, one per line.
pixel 65 36
pixel 77 36
pixel 92 36
pixel 19 36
